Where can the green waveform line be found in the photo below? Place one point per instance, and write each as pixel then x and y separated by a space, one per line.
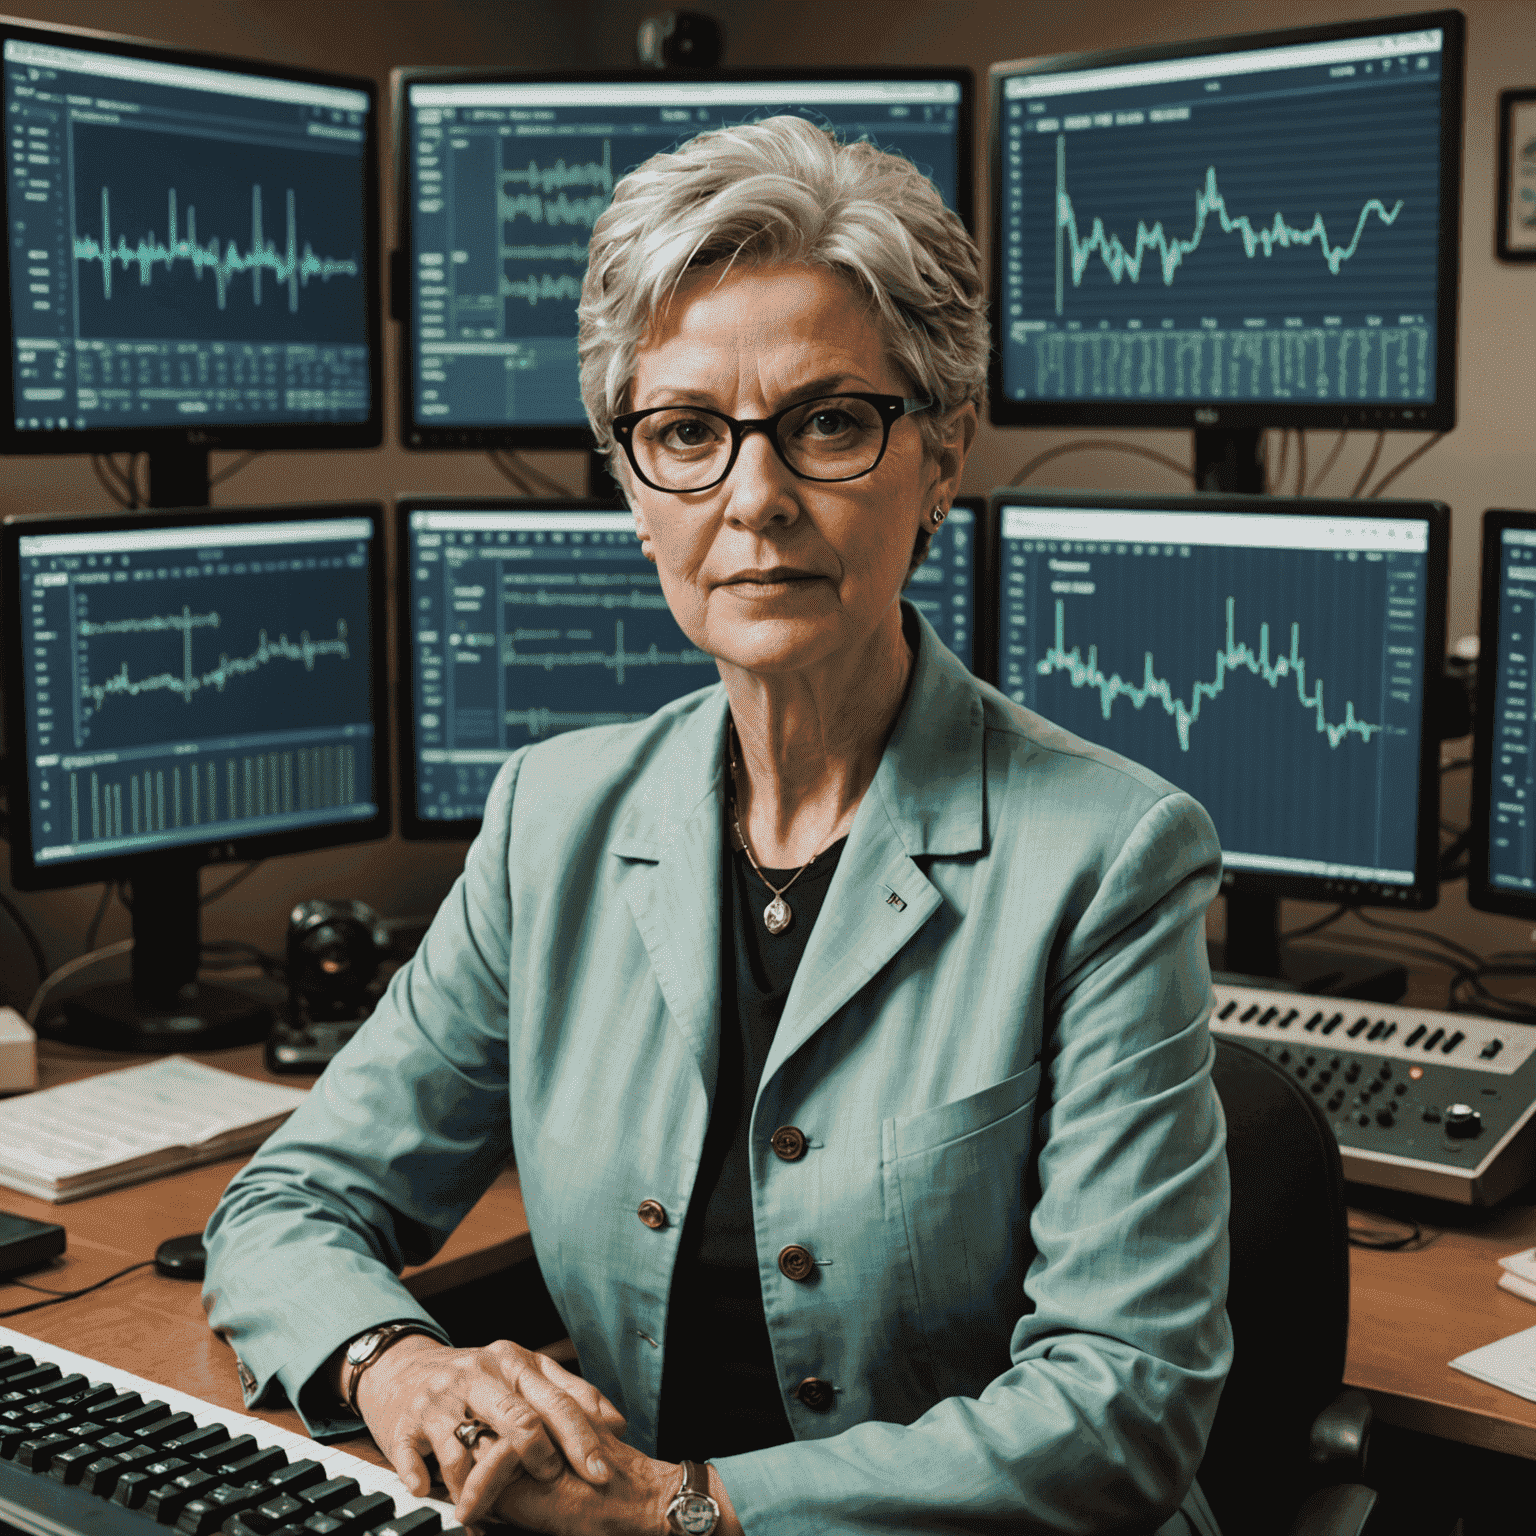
pixel 559 176
pixel 618 663
pixel 1121 262
pixel 542 288
pixel 541 722
pixel 190 682
pixel 289 267
pixel 1234 656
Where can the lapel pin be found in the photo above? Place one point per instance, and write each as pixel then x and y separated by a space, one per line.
pixel 893 900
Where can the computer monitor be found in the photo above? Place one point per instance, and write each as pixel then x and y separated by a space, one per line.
pixel 1239 232
pixel 1502 872
pixel 193 258
pixel 503 176
pixel 520 619
pixel 185 688
pixel 1272 656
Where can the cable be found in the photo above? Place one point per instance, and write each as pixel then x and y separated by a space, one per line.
pixel 549 484
pixel 116 492
pixel 230 884
pixel 1370 465
pixel 1107 444
pixel 1316 927
pixel 507 472
pixel 1459 950
pixel 12 911
pixel 234 468
pixel 1301 461
pixel 72 968
pixel 1329 462
pixel 1393 473
pixel 1285 454
pixel 94 927
pixel 1385 1242
pixel 55 1297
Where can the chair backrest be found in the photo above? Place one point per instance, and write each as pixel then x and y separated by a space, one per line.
pixel 1289 1293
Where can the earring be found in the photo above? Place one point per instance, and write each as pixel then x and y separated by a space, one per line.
pixel 939 514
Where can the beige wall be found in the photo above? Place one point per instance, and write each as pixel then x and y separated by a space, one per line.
pixel 1490 460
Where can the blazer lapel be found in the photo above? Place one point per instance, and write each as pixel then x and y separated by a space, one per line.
pixel 671 843
pixel 926 799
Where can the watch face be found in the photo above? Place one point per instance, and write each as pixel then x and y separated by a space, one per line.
pixel 362 1346
pixel 696 1514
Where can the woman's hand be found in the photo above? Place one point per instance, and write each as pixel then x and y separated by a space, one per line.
pixel 547 1422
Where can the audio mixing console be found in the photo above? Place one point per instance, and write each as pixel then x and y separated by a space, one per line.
pixel 1440 1104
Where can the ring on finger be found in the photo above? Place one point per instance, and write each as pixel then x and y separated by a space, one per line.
pixel 471 1431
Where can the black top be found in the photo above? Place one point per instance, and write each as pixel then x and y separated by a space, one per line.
pixel 720 1394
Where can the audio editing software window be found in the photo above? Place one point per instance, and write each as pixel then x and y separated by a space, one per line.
pixel 1247 226
pixel 191 684
pixel 1512 833
pixel 186 244
pixel 507 181
pixel 1270 665
pixel 529 623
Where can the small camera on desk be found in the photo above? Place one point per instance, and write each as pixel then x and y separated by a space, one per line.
pixel 334 953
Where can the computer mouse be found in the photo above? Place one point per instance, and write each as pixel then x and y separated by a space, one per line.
pixel 182 1258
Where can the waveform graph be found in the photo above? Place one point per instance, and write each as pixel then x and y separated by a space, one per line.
pixel 177 237
pixel 553 194
pixel 1258 210
pixel 1281 688
pixel 155 663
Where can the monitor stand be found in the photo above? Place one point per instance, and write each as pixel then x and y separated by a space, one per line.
pixel 601 485
pixel 1253 954
pixel 178 477
pixel 1230 460
pixel 164 1007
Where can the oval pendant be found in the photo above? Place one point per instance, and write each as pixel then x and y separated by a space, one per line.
pixel 777 916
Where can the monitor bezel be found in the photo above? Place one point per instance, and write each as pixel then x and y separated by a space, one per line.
pixel 213 435
pixel 26 873
pixel 1424 890
pixel 1481 892
pixel 415 435
pixel 1439 417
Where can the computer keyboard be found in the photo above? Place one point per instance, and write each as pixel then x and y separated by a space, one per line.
pixel 87 1450
pixel 1433 1103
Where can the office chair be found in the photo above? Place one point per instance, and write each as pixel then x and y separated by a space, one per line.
pixel 1288 1447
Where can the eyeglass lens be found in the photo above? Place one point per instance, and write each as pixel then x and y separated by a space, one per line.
pixel 687 448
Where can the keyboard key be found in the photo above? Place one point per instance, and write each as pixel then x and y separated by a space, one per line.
pixel 323 1497
pixel 101 1476
pixel 15 1365
pixel 36 1453
pixel 271 1513
pixel 363 1514
pixel 13 1436
pixel 167 1501
pixel 256 1467
pixel 226 1452
pixel 420 1522
pixel 1435 1037
pixel 1451 1044
pixel 208 1513
pixel 70 1464
pixel 132 1489
pixel 160 1431
pixel 30 1381
pixel 65 1386
pixel 135 1420
pixel 1416 1035
pixel 297 1475
pixel 192 1444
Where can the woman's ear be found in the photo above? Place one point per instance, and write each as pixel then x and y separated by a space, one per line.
pixel 960 433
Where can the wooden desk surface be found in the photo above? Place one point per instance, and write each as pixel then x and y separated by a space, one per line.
pixel 155 1326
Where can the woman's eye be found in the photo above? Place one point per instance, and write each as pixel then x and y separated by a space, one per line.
pixel 684 433
pixel 828 423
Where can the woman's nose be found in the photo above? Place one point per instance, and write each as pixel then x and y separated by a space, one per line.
pixel 761 486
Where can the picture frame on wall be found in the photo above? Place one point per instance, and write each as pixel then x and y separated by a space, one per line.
pixel 1515 212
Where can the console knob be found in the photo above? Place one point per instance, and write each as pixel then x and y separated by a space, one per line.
pixel 1462 1121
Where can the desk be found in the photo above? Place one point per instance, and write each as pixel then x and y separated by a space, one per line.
pixel 1410 1312
pixel 154 1326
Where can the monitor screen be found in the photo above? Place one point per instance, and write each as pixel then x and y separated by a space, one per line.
pixel 523 619
pixel 193 250
pixel 1503 843
pixel 1245 231
pixel 1273 658
pixel 194 684
pixel 503 178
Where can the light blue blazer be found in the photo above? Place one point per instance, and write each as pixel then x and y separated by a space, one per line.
pixel 996 1045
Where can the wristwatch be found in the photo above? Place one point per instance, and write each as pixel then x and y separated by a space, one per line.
pixel 692 1512
pixel 366 1348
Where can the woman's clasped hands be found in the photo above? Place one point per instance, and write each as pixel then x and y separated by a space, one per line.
pixel 549 1458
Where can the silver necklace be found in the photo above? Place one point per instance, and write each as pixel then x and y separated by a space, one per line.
pixel 778 914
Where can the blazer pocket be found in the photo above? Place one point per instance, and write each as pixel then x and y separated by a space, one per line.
pixel 958 1172
pixel 931 1128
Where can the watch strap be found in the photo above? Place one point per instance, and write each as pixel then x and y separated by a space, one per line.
pixel 379 1340
pixel 684 1514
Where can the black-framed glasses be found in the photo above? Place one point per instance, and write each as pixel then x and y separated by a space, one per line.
pixel 692 448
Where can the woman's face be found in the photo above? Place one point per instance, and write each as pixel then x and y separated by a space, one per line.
pixel 768 571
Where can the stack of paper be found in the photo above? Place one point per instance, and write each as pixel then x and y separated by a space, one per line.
pixel 1508 1363
pixel 1520 1273
pixel 137 1123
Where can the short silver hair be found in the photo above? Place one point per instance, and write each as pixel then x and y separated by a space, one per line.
pixel 784 190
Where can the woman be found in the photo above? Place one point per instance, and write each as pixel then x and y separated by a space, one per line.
pixel 848 1020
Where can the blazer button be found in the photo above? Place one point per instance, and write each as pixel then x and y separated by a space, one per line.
pixel 816 1394
pixel 653 1213
pixel 789 1143
pixel 796 1262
